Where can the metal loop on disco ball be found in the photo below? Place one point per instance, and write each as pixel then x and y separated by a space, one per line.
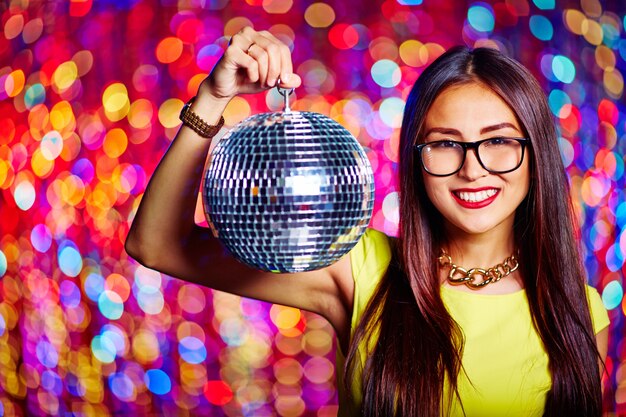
pixel 288 191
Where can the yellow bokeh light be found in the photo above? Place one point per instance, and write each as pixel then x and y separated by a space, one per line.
pixel 71 147
pixel 140 114
pixel 592 8
pixel 277 6
pixel 613 83
pixel 169 50
pixel 14 83
pixel 124 178
pixel 190 329
pixel 592 191
pixel 64 76
pixel 72 190
pixel 115 102
pixel 349 122
pixel 105 167
pixel 285 317
pixel 4 171
pixel 317 342
pixel 592 31
pixel 289 405
pixel 169 111
pixel 39 121
pixel 605 58
pixel 193 375
pixel 288 371
pixel 319 15
pixel 62 116
pixel 383 48
pixel 237 110
pixel 115 143
pixel 41 166
pixel 574 20
pixel 235 24
pixel 413 53
pixel 191 299
pixel 194 83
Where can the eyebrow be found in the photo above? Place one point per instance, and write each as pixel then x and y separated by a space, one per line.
pixel 486 129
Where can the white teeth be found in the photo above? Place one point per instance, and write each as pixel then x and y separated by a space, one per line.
pixel 476 197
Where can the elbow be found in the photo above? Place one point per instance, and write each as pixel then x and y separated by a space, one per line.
pixel 137 249
pixel 131 246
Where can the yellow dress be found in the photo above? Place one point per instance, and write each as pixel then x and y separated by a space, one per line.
pixel 503 354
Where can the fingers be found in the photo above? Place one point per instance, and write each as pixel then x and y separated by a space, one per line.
pixel 287 78
pixel 272 58
pixel 260 55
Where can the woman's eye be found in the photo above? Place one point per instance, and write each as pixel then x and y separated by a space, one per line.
pixel 498 141
pixel 443 144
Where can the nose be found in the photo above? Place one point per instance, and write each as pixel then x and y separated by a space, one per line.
pixel 472 169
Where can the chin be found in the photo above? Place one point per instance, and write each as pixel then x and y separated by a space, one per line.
pixel 476 228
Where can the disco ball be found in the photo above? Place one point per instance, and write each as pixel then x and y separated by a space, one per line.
pixel 288 191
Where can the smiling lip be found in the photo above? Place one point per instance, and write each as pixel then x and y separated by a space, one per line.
pixel 483 196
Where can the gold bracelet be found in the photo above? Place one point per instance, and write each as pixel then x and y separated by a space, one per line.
pixel 194 121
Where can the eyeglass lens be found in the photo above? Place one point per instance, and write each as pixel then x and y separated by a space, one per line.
pixel 497 155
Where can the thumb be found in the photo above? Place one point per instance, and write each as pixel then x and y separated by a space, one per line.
pixel 290 81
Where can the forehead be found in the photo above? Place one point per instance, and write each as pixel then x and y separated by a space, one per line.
pixel 469 107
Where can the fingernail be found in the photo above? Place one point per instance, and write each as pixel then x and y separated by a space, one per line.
pixel 286 78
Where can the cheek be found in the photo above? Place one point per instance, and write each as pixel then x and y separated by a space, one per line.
pixel 524 179
pixel 435 188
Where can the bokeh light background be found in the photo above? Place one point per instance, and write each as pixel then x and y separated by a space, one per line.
pixel 90 93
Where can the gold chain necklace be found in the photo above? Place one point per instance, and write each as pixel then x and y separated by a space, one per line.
pixel 460 275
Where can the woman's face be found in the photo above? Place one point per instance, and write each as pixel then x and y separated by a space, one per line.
pixel 473 200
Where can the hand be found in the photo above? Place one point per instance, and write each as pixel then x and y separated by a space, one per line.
pixel 253 62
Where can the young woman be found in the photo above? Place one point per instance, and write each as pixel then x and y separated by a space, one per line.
pixel 480 306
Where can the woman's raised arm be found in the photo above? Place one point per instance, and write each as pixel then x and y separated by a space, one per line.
pixel 163 235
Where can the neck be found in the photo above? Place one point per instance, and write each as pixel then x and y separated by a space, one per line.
pixel 479 250
pixel 482 251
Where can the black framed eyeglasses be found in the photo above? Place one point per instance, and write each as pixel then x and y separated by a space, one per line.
pixel 497 155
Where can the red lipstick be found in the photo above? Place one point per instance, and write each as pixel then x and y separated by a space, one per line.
pixel 474 204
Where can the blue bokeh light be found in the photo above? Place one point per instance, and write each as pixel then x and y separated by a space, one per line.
pixel 157 381
pixel 481 17
pixel 557 99
pixel 544 4
pixel 386 73
pixel 563 69
pixel 103 349
pixel 94 285
pixel 69 293
pixel 111 305
pixel 541 27
pixel 612 295
pixel 192 350
pixel 3 264
pixel 70 261
pixel 121 386
pixel 47 354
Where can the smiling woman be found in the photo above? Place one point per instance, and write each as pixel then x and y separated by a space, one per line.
pixel 482 185
pixel 518 338
pixel 476 200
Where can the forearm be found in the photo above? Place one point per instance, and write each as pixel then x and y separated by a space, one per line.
pixel 165 217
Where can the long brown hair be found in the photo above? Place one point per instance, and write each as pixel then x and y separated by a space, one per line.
pixel 419 346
